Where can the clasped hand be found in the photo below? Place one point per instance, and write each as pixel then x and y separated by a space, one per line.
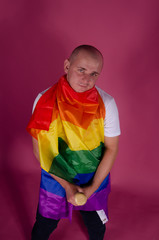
pixel 72 189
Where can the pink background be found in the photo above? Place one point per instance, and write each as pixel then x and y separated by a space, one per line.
pixel 35 38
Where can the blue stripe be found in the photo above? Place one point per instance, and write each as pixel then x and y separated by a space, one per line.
pixel 86 177
pixel 49 184
pixel 83 178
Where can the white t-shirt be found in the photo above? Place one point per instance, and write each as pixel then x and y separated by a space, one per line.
pixel 111 122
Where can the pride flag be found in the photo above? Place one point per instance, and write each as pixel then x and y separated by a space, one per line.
pixel 69 127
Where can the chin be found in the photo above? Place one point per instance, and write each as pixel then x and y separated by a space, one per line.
pixel 82 90
pixel 79 91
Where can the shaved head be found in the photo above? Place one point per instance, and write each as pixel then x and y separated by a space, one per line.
pixel 92 51
pixel 83 67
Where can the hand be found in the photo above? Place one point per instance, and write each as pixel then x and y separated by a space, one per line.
pixel 71 190
pixel 88 191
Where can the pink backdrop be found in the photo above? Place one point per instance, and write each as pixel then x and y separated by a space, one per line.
pixel 35 38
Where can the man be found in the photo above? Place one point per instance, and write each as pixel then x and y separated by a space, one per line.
pixel 75 129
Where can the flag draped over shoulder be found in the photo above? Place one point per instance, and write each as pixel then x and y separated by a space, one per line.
pixel 69 127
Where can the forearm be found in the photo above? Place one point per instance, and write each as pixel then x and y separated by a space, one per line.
pixel 105 165
pixel 35 148
pixel 104 168
pixel 65 184
pixel 70 189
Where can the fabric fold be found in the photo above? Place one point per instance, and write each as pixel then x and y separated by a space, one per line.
pixel 69 127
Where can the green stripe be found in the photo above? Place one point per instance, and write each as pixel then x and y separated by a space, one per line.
pixel 67 164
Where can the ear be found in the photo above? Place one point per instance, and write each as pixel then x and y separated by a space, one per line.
pixel 66 65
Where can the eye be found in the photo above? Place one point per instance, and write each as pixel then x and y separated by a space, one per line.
pixel 94 74
pixel 81 70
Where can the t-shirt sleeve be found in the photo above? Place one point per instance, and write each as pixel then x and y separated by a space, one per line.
pixel 111 122
pixel 37 99
pixel 35 102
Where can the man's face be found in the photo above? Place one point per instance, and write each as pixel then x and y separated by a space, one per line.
pixel 83 71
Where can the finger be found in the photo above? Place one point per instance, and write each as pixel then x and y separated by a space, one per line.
pixel 72 201
pixel 80 189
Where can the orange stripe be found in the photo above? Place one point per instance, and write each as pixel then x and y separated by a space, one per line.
pixel 81 115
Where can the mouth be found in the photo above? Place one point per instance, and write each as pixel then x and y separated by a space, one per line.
pixel 82 85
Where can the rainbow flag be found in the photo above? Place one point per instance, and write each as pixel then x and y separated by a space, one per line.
pixel 69 127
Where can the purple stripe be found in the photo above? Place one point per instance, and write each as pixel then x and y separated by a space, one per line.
pixel 56 207
pixel 97 201
pixel 52 205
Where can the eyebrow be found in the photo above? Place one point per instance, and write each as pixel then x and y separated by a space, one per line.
pixel 82 68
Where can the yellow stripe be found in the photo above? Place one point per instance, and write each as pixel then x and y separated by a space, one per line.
pixel 82 139
pixel 77 139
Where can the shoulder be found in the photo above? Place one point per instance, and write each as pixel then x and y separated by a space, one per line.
pixel 38 97
pixel 111 122
pixel 107 99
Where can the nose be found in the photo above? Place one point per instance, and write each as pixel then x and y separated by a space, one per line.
pixel 86 78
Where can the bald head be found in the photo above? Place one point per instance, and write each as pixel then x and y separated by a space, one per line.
pixel 90 50
pixel 83 67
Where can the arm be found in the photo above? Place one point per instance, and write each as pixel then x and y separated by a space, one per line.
pixel 111 144
pixel 35 148
pixel 70 188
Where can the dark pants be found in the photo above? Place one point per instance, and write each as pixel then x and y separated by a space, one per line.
pixel 43 227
